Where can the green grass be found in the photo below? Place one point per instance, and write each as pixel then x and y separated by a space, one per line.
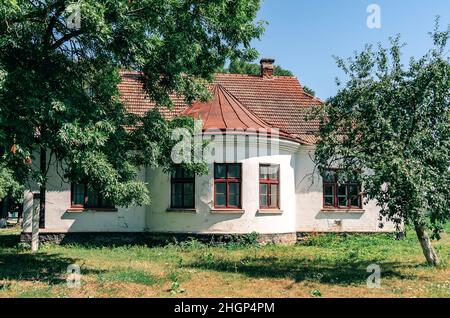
pixel 330 265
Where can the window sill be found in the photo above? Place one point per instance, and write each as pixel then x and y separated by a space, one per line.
pixel 182 210
pixel 79 210
pixel 270 211
pixel 227 211
pixel 337 210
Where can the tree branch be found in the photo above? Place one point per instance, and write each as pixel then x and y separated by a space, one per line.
pixel 66 38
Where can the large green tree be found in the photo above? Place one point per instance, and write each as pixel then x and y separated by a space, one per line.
pixel 59 71
pixel 392 122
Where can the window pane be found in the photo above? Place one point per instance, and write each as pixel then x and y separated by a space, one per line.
pixel 78 194
pixel 93 198
pixel 273 172
pixel 234 171
pixel 188 174
pixel 274 195
pixel 106 203
pixel 328 176
pixel 177 199
pixel 188 195
pixel 220 199
pixel 328 190
pixel 178 173
pixel 353 190
pixel 263 194
pixel 342 190
pixel 234 195
pixel 220 171
pixel 342 201
pixel 356 201
pixel 329 200
pixel 263 172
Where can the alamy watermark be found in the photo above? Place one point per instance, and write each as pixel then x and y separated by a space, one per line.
pixel 227 145
pixel 73 279
pixel 73 19
pixel 374 279
pixel 374 19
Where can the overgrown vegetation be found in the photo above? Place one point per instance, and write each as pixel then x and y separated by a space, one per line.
pixel 331 265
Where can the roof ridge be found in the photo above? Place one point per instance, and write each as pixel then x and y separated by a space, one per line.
pixel 209 112
pixel 254 75
pixel 220 107
pixel 224 90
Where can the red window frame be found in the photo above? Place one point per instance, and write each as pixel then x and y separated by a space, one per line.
pixel 269 182
pixel 335 186
pixel 228 180
pixel 85 205
pixel 182 180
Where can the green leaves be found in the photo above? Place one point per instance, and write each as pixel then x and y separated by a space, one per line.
pixel 8 184
pixel 58 84
pixel 393 122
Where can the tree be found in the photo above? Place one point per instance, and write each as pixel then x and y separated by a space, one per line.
pixel 9 189
pixel 393 123
pixel 241 66
pixel 59 71
pixel 309 90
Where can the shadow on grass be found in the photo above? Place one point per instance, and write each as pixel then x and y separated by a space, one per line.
pixel 321 271
pixel 8 241
pixel 18 264
pixel 43 267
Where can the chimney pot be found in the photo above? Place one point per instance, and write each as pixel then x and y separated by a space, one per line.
pixel 267 66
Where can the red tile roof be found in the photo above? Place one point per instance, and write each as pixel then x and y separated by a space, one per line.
pixel 224 112
pixel 279 102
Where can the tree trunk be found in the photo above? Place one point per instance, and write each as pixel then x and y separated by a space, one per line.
pixel 42 189
pixel 428 250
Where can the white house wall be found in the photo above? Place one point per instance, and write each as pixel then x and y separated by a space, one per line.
pixel 300 204
pixel 58 218
pixel 204 221
pixel 309 201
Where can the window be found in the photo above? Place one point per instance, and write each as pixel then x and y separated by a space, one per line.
pixel 227 185
pixel 340 194
pixel 83 196
pixel 183 189
pixel 269 186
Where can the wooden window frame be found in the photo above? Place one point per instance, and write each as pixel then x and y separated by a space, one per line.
pixel 183 180
pixel 227 180
pixel 269 182
pixel 85 205
pixel 335 186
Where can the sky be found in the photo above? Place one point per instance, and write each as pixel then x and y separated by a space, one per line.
pixel 304 35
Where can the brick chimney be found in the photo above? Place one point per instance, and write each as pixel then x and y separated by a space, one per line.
pixel 267 67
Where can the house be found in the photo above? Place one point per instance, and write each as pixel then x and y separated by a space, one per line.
pixel 261 177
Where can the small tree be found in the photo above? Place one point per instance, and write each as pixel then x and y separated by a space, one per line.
pixel 393 123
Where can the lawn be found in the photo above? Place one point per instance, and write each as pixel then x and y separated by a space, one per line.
pixel 322 266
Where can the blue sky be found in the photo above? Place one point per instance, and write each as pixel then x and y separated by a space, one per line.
pixel 303 35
